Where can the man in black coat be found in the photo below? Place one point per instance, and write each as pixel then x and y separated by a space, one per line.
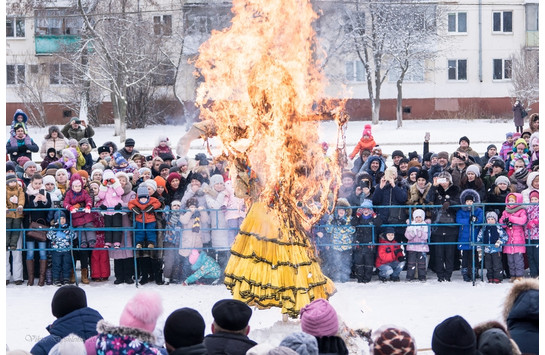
pixel 69 306
pixel 230 328
pixel 184 332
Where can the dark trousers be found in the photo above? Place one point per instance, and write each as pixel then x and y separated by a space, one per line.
pixel 113 221
pixel 81 255
pixel 416 261
pixel 493 265
pixel 13 236
pixel 173 263
pixel 61 265
pixel 467 262
pixel 364 260
pixel 444 253
pixel 124 269
pixel 532 252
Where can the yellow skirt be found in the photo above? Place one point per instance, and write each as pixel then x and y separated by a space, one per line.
pixel 271 266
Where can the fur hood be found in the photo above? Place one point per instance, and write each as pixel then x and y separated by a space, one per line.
pixel 104 327
pixel 517 289
pixel 344 204
pixel 466 192
pixel 483 327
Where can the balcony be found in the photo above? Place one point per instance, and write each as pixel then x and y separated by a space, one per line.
pixel 51 44
pixel 532 38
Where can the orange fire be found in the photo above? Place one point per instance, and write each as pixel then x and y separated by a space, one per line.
pixel 263 91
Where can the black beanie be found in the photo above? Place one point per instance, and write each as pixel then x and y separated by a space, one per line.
pixel 464 138
pixel 103 149
pixel 68 299
pixel 454 336
pixel 51 150
pixel 184 327
pixel 164 166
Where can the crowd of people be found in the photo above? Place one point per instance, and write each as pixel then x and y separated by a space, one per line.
pixel 178 216
pixel 81 330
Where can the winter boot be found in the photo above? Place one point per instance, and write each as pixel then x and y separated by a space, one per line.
pixel 48 274
pixel 128 271
pixel 359 272
pixel 157 271
pixel 465 275
pixel 72 277
pixel 43 268
pixel 84 276
pixel 30 272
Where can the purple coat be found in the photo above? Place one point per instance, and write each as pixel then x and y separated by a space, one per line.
pixel 111 195
pixel 516 232
pixel 417 234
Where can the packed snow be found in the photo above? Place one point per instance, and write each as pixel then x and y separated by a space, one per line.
pixel 417 306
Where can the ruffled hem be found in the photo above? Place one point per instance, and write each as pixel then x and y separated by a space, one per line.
pixel 273 265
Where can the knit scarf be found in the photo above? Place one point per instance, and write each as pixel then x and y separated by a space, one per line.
pixel 196 228
pixel 513 209
pixel 14 142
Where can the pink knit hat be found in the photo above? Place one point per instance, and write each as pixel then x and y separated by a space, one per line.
pixel 193 256
pixel 319 318
pixel 142 311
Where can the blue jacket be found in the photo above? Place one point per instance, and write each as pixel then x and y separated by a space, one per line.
pixel 82 322
pixel 463 217
pixel 489 235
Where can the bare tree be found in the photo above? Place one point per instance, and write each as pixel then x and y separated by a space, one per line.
pixel 125 52
pixel 33 90
pixel 525 77
pixel 413 39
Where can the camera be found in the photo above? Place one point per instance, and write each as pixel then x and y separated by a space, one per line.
pixel 441 180
pixel 42 192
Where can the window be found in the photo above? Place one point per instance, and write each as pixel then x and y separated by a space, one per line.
pixel 15 74
pixel 457 69
pixel 15 27
pixel 502 69
pixel 415 73
pixel 457 22
pixel 355 71
pixel 162 25
pixel 61 74
pixel 502 21
pixel 57 22
pixel 164 75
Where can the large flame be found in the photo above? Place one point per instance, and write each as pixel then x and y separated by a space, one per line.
pixel 264 93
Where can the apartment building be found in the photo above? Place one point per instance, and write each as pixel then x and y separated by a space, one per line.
pixel 470 77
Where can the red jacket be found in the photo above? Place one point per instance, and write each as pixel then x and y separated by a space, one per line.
pixel 150 216
pixel 388 253
pixel 364 143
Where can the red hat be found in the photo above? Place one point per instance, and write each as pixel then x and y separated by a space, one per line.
pixel 367 130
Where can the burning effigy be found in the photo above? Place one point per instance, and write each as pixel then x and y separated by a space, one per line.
pixel 263 95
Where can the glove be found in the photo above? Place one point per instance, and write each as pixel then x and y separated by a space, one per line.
pixel 149 209
pixel 398 252
pixel 87 210
pixel 74 209
pixel 196 214
pixel 446 205
pixel 136 210
pixel 473 219
pixel 19 209
pixel 118 207
pixel 103 207
pixel 112 180
pixel 104 182
pixel 388 249
pixel 506 220
pixel 223 208
pixel 401 258
pixel 510 224
pixel 359 213
pixel 498 243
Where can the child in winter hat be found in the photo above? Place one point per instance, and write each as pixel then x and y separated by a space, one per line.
pixel 142 311
pixel 392 340
pixel 319 318
pixel 366 142
pixel 302 343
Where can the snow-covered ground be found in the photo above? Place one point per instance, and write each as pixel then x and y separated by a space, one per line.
pixel 419 307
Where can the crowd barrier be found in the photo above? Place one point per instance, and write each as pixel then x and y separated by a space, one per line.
pixel 486 207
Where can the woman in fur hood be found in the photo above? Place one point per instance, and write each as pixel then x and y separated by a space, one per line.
pixel 493 338
pixel 521 314
pixel 53 139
